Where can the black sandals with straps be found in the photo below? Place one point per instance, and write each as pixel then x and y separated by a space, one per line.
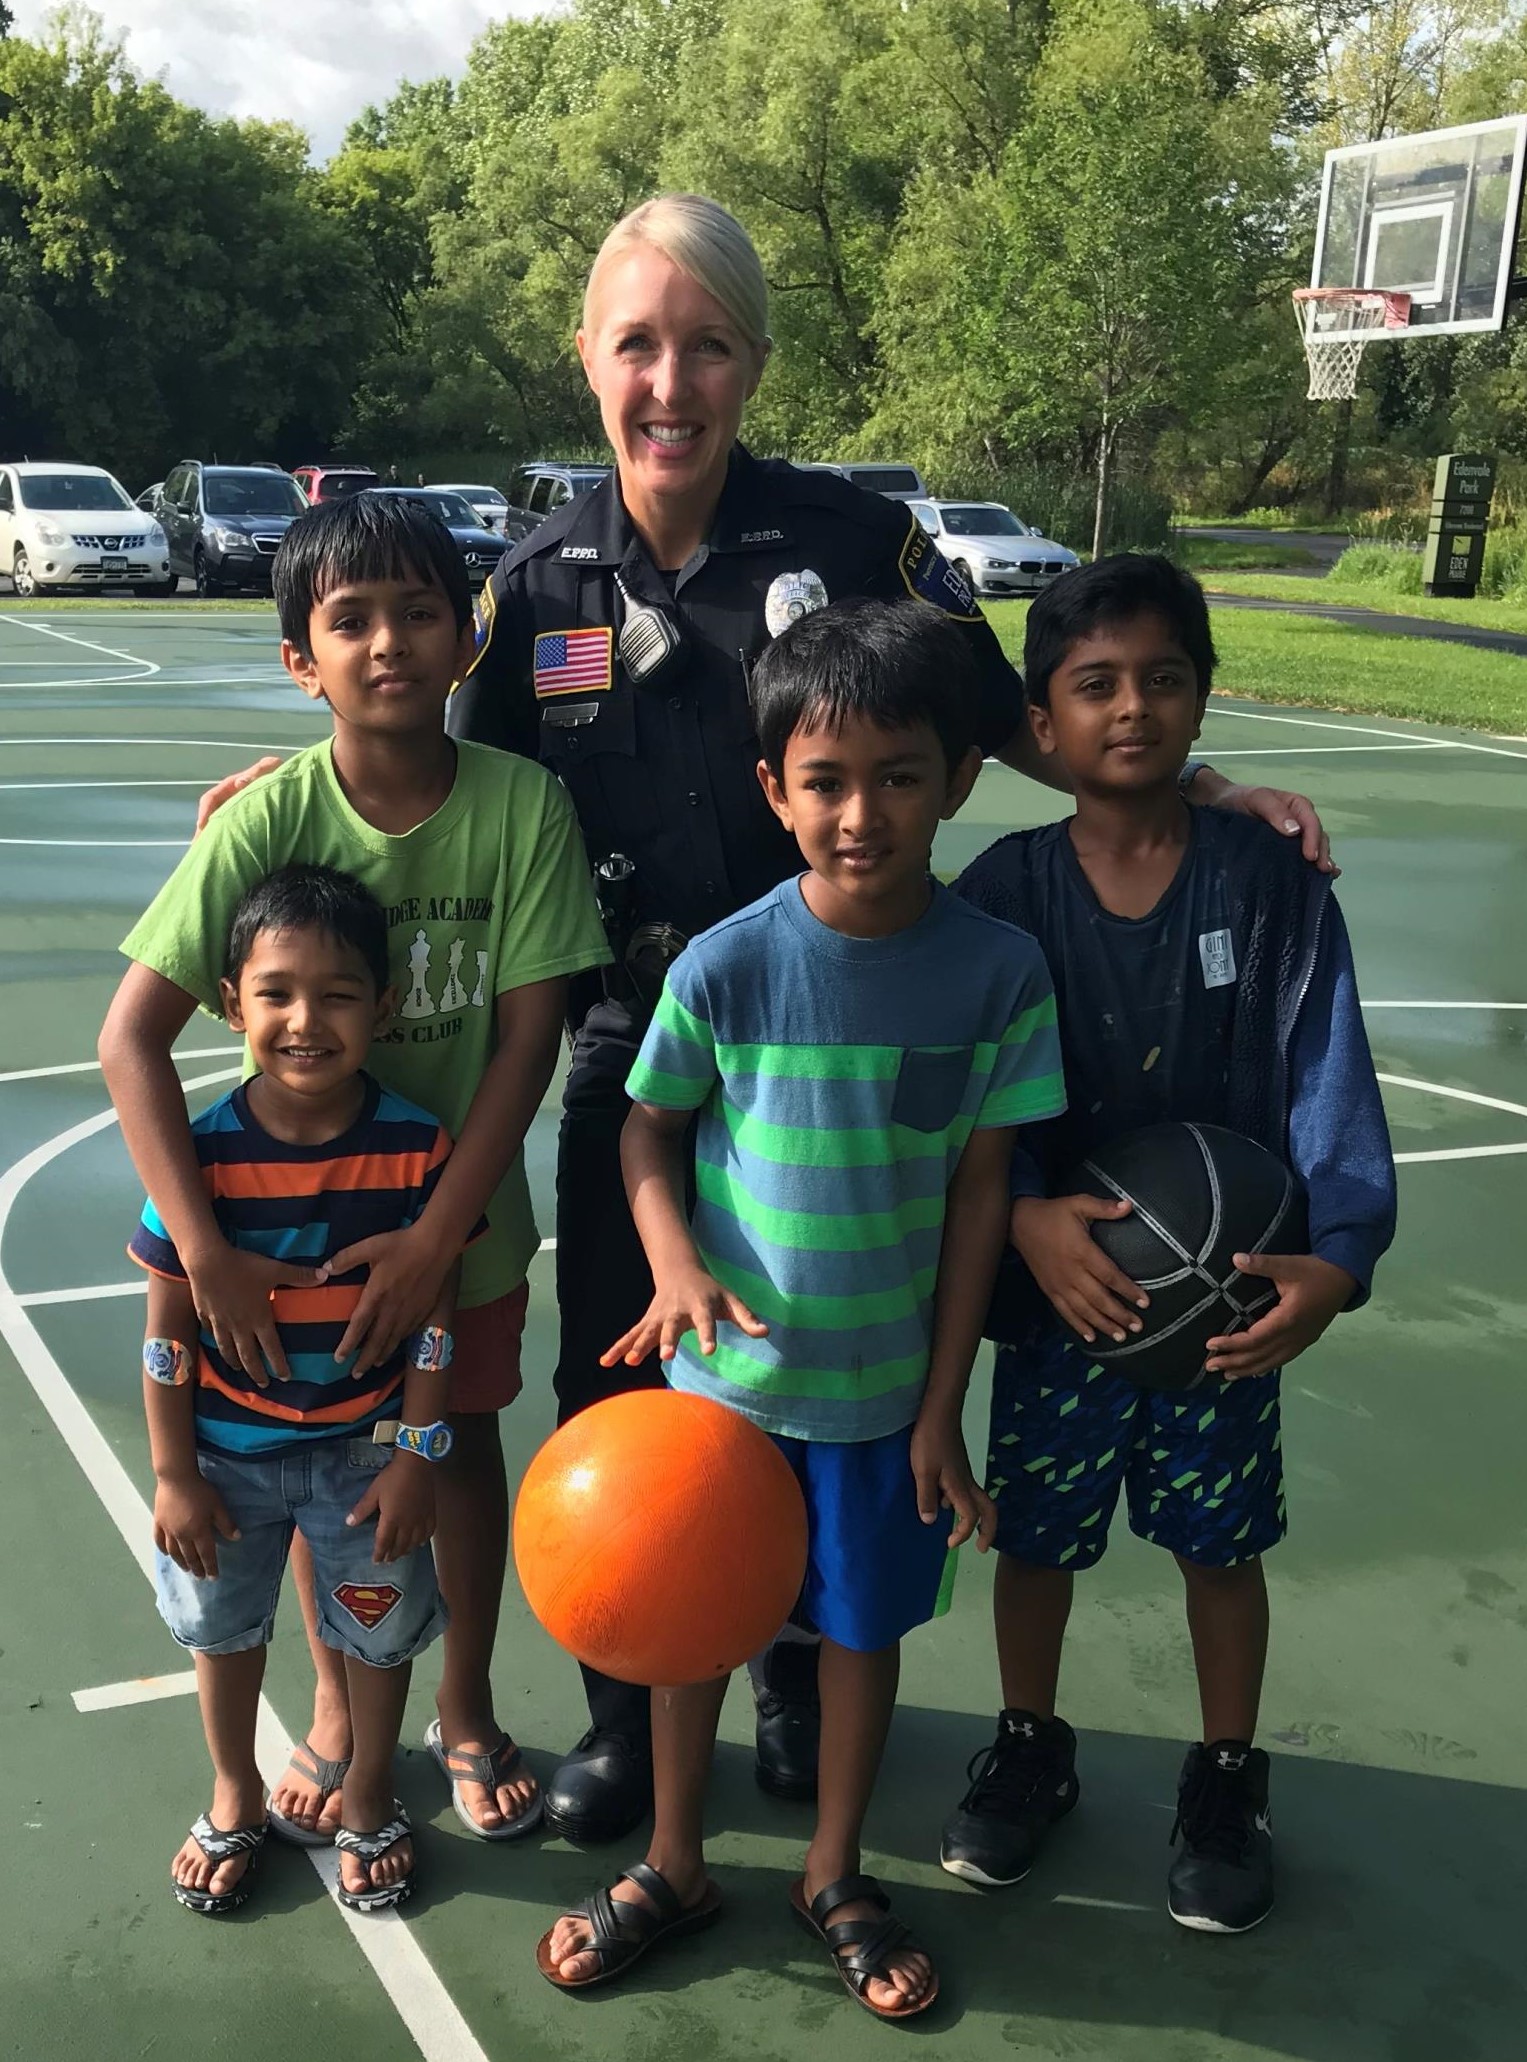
pixel 861 1950
pixel 622 1931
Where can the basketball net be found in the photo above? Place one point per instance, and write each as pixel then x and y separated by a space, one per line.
pixel 1333 361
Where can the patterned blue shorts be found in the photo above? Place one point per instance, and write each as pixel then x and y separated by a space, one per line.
pixel 1203 1468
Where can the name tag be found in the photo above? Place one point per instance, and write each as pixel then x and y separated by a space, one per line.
pixel 1216 955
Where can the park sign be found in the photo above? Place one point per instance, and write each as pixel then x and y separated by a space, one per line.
pixel 1460 516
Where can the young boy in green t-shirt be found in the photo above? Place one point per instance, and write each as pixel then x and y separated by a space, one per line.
pixel 475 856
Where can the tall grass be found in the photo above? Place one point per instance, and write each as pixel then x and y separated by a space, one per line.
pixel 1391 569
pixel 1059 501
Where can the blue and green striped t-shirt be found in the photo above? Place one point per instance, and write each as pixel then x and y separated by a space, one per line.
pixel 838 1080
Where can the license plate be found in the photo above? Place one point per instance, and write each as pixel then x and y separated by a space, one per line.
pixel 113 565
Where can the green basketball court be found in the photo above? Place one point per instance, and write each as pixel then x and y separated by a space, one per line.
pixel 1399 1668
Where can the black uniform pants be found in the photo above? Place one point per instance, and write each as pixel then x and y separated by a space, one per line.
pixel 604 1283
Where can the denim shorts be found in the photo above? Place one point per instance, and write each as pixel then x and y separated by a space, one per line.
pixel 873 1568
pixel 380 1613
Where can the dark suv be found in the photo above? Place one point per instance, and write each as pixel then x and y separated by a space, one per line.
pixel 546 484
pixel 224 522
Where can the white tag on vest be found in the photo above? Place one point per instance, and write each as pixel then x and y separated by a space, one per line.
pixel 1216 953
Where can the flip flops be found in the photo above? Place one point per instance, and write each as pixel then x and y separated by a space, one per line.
pixel 860 1949
pixel 219 1846
pixel 490 1770
pixel 369 1848
pixel 327 1776
pixel 622 1932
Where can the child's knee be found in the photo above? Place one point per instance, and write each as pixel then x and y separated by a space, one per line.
pixel 1239 1579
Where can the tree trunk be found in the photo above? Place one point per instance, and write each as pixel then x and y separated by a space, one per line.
pixel 1104 481
pixel 1336 476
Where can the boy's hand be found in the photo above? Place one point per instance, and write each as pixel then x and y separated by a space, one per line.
pixel 941 1469
pixel 226 789
pixel 1310 1293
pixel 693 1301
pixel 402 1500
pixel 232 1291
pixel 1071 1268
pixel 407 1273
pixel 189 1518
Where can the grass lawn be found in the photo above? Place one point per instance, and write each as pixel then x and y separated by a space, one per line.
pixel 1303 661
pixel 1216 554
pixel 1357 594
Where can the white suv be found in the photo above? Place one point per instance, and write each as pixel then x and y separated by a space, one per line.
pixel 66 526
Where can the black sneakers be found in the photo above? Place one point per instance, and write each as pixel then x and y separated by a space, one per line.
pixel 1019 1787
pixel 1222 1879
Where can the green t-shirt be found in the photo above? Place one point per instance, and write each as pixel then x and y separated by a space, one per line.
pixel 490 893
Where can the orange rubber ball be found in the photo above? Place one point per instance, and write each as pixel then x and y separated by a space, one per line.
pixel 660 1537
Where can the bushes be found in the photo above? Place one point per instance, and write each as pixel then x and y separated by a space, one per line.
pixel 1393 570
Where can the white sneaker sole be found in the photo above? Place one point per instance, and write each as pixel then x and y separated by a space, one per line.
pixel 969 1873
pixel 1198 1925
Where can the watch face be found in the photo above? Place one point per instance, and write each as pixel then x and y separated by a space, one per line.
pixel 437 1442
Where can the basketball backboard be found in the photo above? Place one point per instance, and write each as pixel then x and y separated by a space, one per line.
pixel 1433 216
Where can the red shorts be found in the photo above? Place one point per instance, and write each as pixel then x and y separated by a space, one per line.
pixel 485 1368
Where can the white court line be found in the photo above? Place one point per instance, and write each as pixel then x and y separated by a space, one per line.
pixel 1457 1095
pixel 1362 730
pixel 1100 1904
pixel 216 744
pixel 98 1292
pixel 1459 1153
pixel 148 667
pixel 1433 1006
pixel 69 787
pixel 147 1689
pixel 103 1292
pixel 194 1052
pixel 104 844
pixel 1420 744
pixel 421 2000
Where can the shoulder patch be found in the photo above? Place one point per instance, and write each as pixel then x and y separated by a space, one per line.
pixel 580 551
pixel 929 575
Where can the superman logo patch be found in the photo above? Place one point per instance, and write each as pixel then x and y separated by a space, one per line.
pixel 368 1603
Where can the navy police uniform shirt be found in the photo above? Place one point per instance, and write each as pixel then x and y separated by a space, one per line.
pixel 664 772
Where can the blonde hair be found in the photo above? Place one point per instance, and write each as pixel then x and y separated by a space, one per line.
pixel 702 239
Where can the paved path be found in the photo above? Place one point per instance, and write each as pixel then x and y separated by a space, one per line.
pixel 1325 545
pixel 1375 619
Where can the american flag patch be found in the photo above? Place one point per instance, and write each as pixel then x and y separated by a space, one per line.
pixel 572 661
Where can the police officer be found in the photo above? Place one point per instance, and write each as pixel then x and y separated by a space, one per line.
pixel 615 644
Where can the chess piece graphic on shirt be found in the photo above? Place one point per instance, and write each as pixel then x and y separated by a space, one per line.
pixel 482 981
pixel 453 996
pixel 418 1002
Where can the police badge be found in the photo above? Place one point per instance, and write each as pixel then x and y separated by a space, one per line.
pixel 791 596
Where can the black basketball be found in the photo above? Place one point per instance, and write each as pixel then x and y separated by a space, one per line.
pixel 1200 1195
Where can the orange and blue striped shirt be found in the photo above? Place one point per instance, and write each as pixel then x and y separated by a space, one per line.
pixel 302 1203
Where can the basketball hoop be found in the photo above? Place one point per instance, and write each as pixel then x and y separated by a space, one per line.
pixel 1337 324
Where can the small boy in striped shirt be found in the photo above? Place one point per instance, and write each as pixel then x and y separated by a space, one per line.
pixel 859 1046
pixel 306 1158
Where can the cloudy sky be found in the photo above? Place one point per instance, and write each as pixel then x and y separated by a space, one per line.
pixel 314 62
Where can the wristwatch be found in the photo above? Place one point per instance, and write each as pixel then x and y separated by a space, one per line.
pixel 429 1442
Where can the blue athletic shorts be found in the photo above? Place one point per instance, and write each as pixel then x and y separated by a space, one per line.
pixel 380 1612
pixel 873 1568
pixel 1203 1468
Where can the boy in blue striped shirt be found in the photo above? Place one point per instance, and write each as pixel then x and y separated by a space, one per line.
pixel 307 1157
pixel 859 1046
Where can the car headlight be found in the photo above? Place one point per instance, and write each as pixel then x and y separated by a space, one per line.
pixel 229 540
pixel 50 533
pixel 999 565
pixel 154 538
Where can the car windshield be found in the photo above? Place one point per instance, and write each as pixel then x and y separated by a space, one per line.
pixel 887 479
pixel 449 507
pixel 585 483
pixel 65 491
pixel 983 519
pixel 331 485
pixel 490 495
pixel 252 494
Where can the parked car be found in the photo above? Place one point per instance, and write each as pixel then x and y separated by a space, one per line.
pixel 64 525
pixel 991 549
pixel 547 483
pixel 896 482
pixel 480 547
pixel 329 482
pixel 224 522
pixel 495 511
